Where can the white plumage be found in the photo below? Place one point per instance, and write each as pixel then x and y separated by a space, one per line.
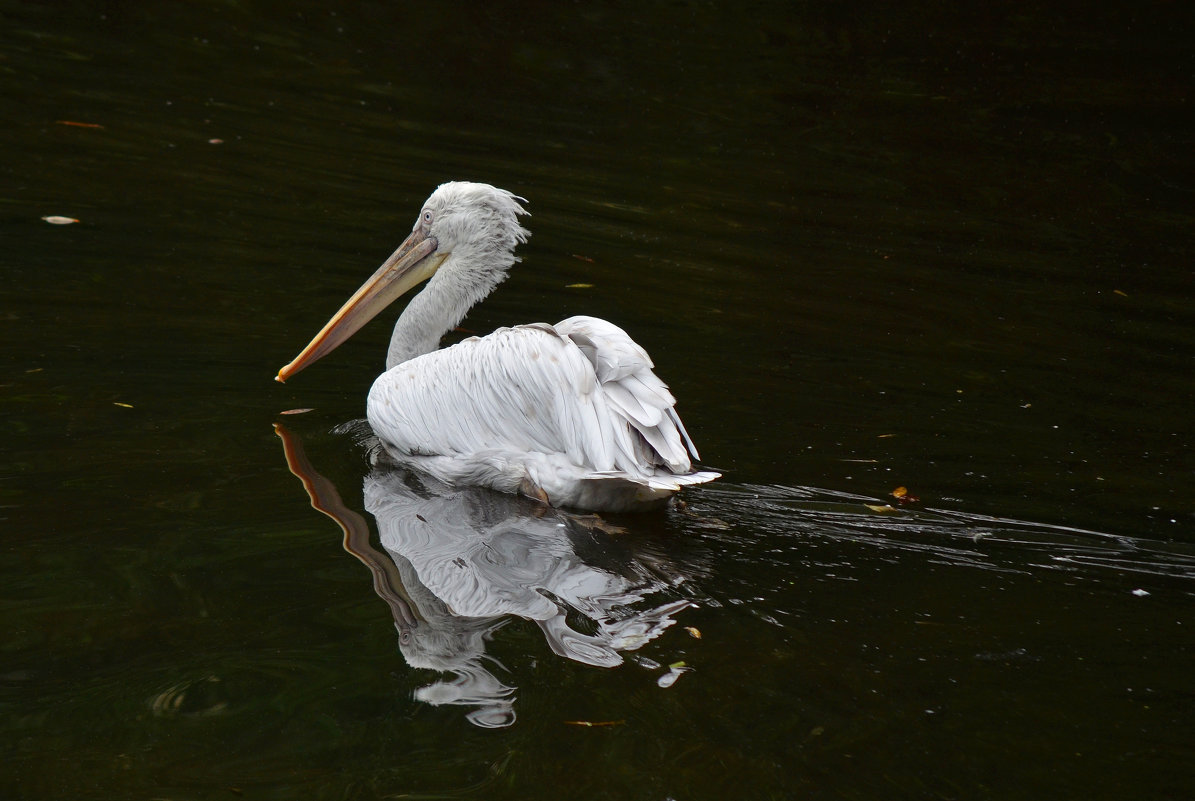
pixel 570 413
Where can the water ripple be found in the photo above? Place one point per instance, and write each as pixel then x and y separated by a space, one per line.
pixel 947 535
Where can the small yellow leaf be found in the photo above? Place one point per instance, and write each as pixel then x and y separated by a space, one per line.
pixel 883 509
pixel 122 405
pixel 1122 294
pixel 693 632
pixel 296 411
pixel 900 492
pixel 578 286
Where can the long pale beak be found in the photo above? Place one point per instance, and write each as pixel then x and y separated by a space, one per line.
pixel 416 260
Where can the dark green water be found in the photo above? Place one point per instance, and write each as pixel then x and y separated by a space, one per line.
pixel 868 247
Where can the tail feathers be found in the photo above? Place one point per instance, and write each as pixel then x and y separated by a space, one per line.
pixel 662 480
pixel 685 480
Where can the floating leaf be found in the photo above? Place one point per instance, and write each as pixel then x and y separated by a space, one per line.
pixel 900 492
pixel 296 411
pixel 122 405
pixel 883 509
pixel 54 219
pixel 694 632
pixel 1122 294
pixel 578 286
pixel 1141 593
pixel 595 723
pixel 215 141
pixel 582 258
pixel 74 124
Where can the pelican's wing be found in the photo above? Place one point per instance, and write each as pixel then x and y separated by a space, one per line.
pixel 582 389
pixel 518 390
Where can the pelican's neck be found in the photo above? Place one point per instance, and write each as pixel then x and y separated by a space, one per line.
pixel 462 281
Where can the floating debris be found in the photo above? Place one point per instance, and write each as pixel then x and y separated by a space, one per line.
pixel 54 219
pixel 674 671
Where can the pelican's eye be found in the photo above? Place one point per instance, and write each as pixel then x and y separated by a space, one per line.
pixel 426 217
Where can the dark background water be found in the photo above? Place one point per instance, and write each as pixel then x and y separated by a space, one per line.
pixel 932 245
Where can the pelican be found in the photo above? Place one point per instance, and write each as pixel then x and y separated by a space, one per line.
pixel 570 414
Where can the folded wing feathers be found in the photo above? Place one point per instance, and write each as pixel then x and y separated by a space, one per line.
pixel 614 355
pixel 632 406
pixel 633 391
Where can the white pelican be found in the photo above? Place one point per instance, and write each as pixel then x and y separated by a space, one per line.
pixel 570 414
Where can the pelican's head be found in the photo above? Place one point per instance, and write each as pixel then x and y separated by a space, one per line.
pixel 475 220
pixel 468 229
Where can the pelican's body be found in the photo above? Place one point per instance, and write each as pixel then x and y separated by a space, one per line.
pixel 570 413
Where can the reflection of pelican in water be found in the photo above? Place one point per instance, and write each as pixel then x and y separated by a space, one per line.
pixel 462 561
pixel 571 414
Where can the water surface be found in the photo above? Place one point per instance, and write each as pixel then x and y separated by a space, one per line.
pixel 931 247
